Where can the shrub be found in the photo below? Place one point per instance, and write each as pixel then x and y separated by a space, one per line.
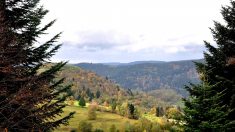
pixel 156 128
pixel 146 124
pixel 173 113
pixel 85 127
pixel 113 106
pixel 138 127
pixel 112 128
pixel 91 112
pixel 129 127
pixel 121 110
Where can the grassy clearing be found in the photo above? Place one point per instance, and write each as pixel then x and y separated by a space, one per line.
pixel 152 117
pixel 104 119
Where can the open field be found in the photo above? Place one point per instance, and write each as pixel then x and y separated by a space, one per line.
pixel 104 119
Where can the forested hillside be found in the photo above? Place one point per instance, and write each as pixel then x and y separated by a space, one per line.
pixel 148 76
pixel 91 86
pixel 89 82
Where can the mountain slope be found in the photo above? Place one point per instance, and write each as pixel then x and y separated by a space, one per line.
pixel 148 76
pixel 82 80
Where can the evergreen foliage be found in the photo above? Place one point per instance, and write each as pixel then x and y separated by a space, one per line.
pixel 88 92
pixel 91 96
pixel 82 102
pixel 98 94
pixel 132 112
pixel 159 111
pixel 131 109
pixel 28 99
pixel 211 103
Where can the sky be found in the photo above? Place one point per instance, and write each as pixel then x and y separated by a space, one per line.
pixel 100 31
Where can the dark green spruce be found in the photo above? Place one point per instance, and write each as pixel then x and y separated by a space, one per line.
pixel 28 98
pixel 211 103
pixel 82 102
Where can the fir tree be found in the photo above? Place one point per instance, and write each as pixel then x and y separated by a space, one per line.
pixel 159 111
pixel 97 94
pixel 88 92
pixel 82 102
pixel 203 112
pixel 131 110
pixel 211 104
pixel 28 99
pixel 91 96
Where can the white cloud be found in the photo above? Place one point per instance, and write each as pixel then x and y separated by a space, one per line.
pixel 133 26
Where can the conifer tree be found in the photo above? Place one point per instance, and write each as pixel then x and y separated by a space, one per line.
pixel 212 103
pixel 131 110
pixel 97 94
pixel 203 112
pixel 82 102
pixel 28 99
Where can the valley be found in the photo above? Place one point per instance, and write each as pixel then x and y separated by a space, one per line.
pixel 112 101
pixel 148 75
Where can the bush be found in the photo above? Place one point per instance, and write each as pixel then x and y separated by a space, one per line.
pixel 146 124
pixel 112 128
pixel 91 112
pixel 156 128
pixel 138 127
pixel 173 113
pixel 166 126
pixel 113 106
pixel 84 126
pixel 121 110
pixel 129 127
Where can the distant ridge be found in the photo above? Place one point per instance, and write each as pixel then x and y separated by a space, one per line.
pixel 148 75
pixel 130 63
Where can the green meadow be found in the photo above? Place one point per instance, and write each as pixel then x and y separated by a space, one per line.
pixel 103 121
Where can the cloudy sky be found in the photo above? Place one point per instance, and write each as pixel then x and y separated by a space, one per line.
pixel 132 30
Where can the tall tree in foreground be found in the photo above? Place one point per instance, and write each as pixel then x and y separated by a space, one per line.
pixel 28 99
pixel 212 103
